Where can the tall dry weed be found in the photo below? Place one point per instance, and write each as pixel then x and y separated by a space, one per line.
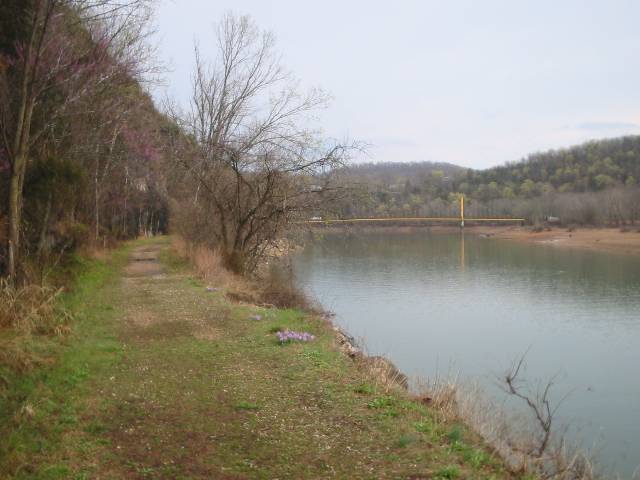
pixel 209 266
pixel 32 309
pixel 271 287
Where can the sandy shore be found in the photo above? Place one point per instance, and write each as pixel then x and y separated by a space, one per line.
pixel 602 239
pixel 612 240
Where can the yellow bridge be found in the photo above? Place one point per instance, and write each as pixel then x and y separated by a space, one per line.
pixel 461 219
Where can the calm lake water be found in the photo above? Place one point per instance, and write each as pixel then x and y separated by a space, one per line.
pixel 446 303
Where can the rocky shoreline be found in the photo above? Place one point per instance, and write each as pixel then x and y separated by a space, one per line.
pixel 379 367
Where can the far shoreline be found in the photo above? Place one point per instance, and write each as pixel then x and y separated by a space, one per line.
pixel 601 239
pixel 624 241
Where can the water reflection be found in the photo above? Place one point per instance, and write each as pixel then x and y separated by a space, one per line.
pixel 462 260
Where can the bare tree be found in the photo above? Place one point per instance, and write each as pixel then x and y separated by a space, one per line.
pixel 539 404
pixel 547 454
pixel 256 157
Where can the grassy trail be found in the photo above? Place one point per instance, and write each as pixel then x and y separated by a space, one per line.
pixel 176 382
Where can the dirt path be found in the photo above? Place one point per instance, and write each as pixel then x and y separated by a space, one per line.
pixel 203 390
pixel 163 396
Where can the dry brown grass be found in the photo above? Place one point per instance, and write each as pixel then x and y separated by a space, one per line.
pixel 270 288
pixel 442 394
pixel 95 252
pixel 26 311
pixel 32 309
pixel 209 266
pixel 16 354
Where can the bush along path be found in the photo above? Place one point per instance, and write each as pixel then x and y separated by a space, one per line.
pixel 165 378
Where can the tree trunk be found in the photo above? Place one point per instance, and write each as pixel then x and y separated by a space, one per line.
pixel 125 227
pixel 21 147
pixel 150 227
pixel 234 261
pixel 14 225
pixel 96 204
pixel 15 216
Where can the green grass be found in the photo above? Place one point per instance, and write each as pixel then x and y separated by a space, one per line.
pixel 382 402
pixel 37 407
pixel 365 389
pixel 456 433
pixel 162 380
pixel 247 406
pixel 449 472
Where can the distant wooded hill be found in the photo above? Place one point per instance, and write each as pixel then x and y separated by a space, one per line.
pixel 592 166
pixel 394 171
pixel 591 169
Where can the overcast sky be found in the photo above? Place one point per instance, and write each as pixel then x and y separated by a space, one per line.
pixel 475 83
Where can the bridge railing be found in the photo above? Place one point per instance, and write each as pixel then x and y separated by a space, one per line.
pixel 413 219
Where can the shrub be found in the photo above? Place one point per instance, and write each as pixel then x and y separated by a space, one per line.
pixel 280 291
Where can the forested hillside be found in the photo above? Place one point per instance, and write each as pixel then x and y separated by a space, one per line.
pixel 82 142
pixel 393 172
pixel 593 166
pixel 593 183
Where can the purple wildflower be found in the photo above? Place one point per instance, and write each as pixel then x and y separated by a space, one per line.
pixel 291 336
